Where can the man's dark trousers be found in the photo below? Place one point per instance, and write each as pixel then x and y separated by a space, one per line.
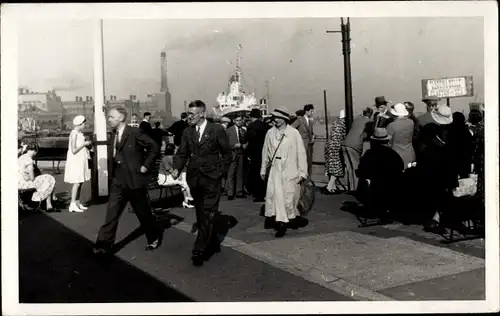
pixel 206 193
pixel 119 196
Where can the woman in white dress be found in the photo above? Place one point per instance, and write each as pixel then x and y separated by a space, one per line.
pixel 77 169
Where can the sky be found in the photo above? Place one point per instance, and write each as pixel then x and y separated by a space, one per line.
pixel 389 57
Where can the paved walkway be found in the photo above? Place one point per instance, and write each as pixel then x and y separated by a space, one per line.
pixel 331 259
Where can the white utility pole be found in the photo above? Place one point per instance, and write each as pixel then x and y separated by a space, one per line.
pixel 99 113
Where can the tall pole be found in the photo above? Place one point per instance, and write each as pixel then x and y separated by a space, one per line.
pixel 99 112
pixel 326 115
pixel 345 30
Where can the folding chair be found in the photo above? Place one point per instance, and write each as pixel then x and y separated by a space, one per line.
pixel 456 213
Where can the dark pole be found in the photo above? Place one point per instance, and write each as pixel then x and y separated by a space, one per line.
pixel 346 51
pixel 326 114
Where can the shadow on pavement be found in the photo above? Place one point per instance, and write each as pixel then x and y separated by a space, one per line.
pixel 56 265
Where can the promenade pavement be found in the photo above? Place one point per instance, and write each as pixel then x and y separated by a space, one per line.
pixel 331 259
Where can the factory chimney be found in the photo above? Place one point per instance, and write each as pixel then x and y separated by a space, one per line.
pixel 164 86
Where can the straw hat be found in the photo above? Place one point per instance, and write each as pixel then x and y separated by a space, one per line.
pixel 399 110
pixel 342 114
pixel 380 134
pixel 225 119
pixel 442 115
pixel 79 120
pixel 281 113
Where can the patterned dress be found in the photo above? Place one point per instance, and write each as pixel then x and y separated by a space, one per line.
pixel 334 165
pixel 479 159
pixel 44 184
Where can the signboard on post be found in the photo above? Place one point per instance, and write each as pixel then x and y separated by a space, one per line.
pixel 445 88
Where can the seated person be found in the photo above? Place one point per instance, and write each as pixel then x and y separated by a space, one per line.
pixel 165 176
pixel 381 168
pixel 43 183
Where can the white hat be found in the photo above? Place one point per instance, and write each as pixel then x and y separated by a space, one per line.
pixel 442 115
pixel 79 120
pixel 399 110
pixel 342 114
pixel 380 134
pixel 281 113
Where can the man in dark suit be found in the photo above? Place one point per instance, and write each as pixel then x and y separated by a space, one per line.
pixel 178 128
pixel 145 126
pixel 254 138
pixel 205 145
pixel 304 125
pixel 131 155
pixel 235 175
pixel 382 116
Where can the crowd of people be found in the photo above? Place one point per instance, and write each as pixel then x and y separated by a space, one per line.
pixel 402 166
pixel 390 160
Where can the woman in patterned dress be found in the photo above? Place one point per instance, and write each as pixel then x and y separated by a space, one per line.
pixel 334 166
pixel 44 184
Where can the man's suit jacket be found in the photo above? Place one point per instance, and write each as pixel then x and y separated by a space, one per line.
pixel 234 139
pixel 360 130
pixel 135 150
pixel 210 156
pixel 305 129
pixel 146 128
pixel 255 137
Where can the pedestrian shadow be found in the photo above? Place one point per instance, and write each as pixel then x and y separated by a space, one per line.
pixel 165 221
pixel 56 265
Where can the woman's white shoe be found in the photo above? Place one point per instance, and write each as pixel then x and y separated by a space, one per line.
pixel 73 208
pixel 187 205
pixel 80 206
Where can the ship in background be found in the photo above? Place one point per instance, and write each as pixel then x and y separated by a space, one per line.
pixel 235 101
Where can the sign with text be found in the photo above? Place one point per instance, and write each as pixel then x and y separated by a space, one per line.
pixel 448 87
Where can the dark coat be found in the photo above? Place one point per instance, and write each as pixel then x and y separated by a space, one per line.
pixel 146 128
pixel 210 156
pixel 254 137
pixel 177 129
pixel 135 150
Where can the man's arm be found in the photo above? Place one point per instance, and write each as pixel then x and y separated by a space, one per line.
pixel 152 149
pixel 224 148
pixel 183 152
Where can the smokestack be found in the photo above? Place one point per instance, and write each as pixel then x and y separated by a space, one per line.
pixel 164 86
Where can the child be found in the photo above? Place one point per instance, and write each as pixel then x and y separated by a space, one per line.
pixel 165 177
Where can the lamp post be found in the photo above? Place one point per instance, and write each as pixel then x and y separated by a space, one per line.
pixel 345 30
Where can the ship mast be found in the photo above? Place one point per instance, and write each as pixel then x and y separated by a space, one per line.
pixel 238 65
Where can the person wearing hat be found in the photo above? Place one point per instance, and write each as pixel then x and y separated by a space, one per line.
pixel 401 133
pixel 225 121
pixel 76 170
pixel 285 154
pixel 381 118
pixel 254 137
pixel 304 125
pixel 431 102
pixel 380 169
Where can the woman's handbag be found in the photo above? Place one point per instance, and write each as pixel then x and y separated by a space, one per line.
pixel 466 186
pixel 270 162
pixel 307 197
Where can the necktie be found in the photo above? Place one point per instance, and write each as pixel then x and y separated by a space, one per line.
pixel 240 135
pixel 117 140
pixel 197 133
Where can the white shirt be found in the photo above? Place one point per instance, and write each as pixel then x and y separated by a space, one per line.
pixel 307 119
pixel 119 133
pixel 201 128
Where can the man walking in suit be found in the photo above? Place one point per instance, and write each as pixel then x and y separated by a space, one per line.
pixel 304 125
pixel 145 126
pixel 235 175
pixel 352 148
pixel 254 138
pixel 131 155
pixel 205 145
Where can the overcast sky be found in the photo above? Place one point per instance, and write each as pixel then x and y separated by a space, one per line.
pixel 390 57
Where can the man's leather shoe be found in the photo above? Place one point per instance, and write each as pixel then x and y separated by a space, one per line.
pixel 197 259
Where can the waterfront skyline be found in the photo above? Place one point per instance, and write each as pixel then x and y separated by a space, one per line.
pixel 390 57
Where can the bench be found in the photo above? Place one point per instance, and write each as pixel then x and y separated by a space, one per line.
pixel 52 154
